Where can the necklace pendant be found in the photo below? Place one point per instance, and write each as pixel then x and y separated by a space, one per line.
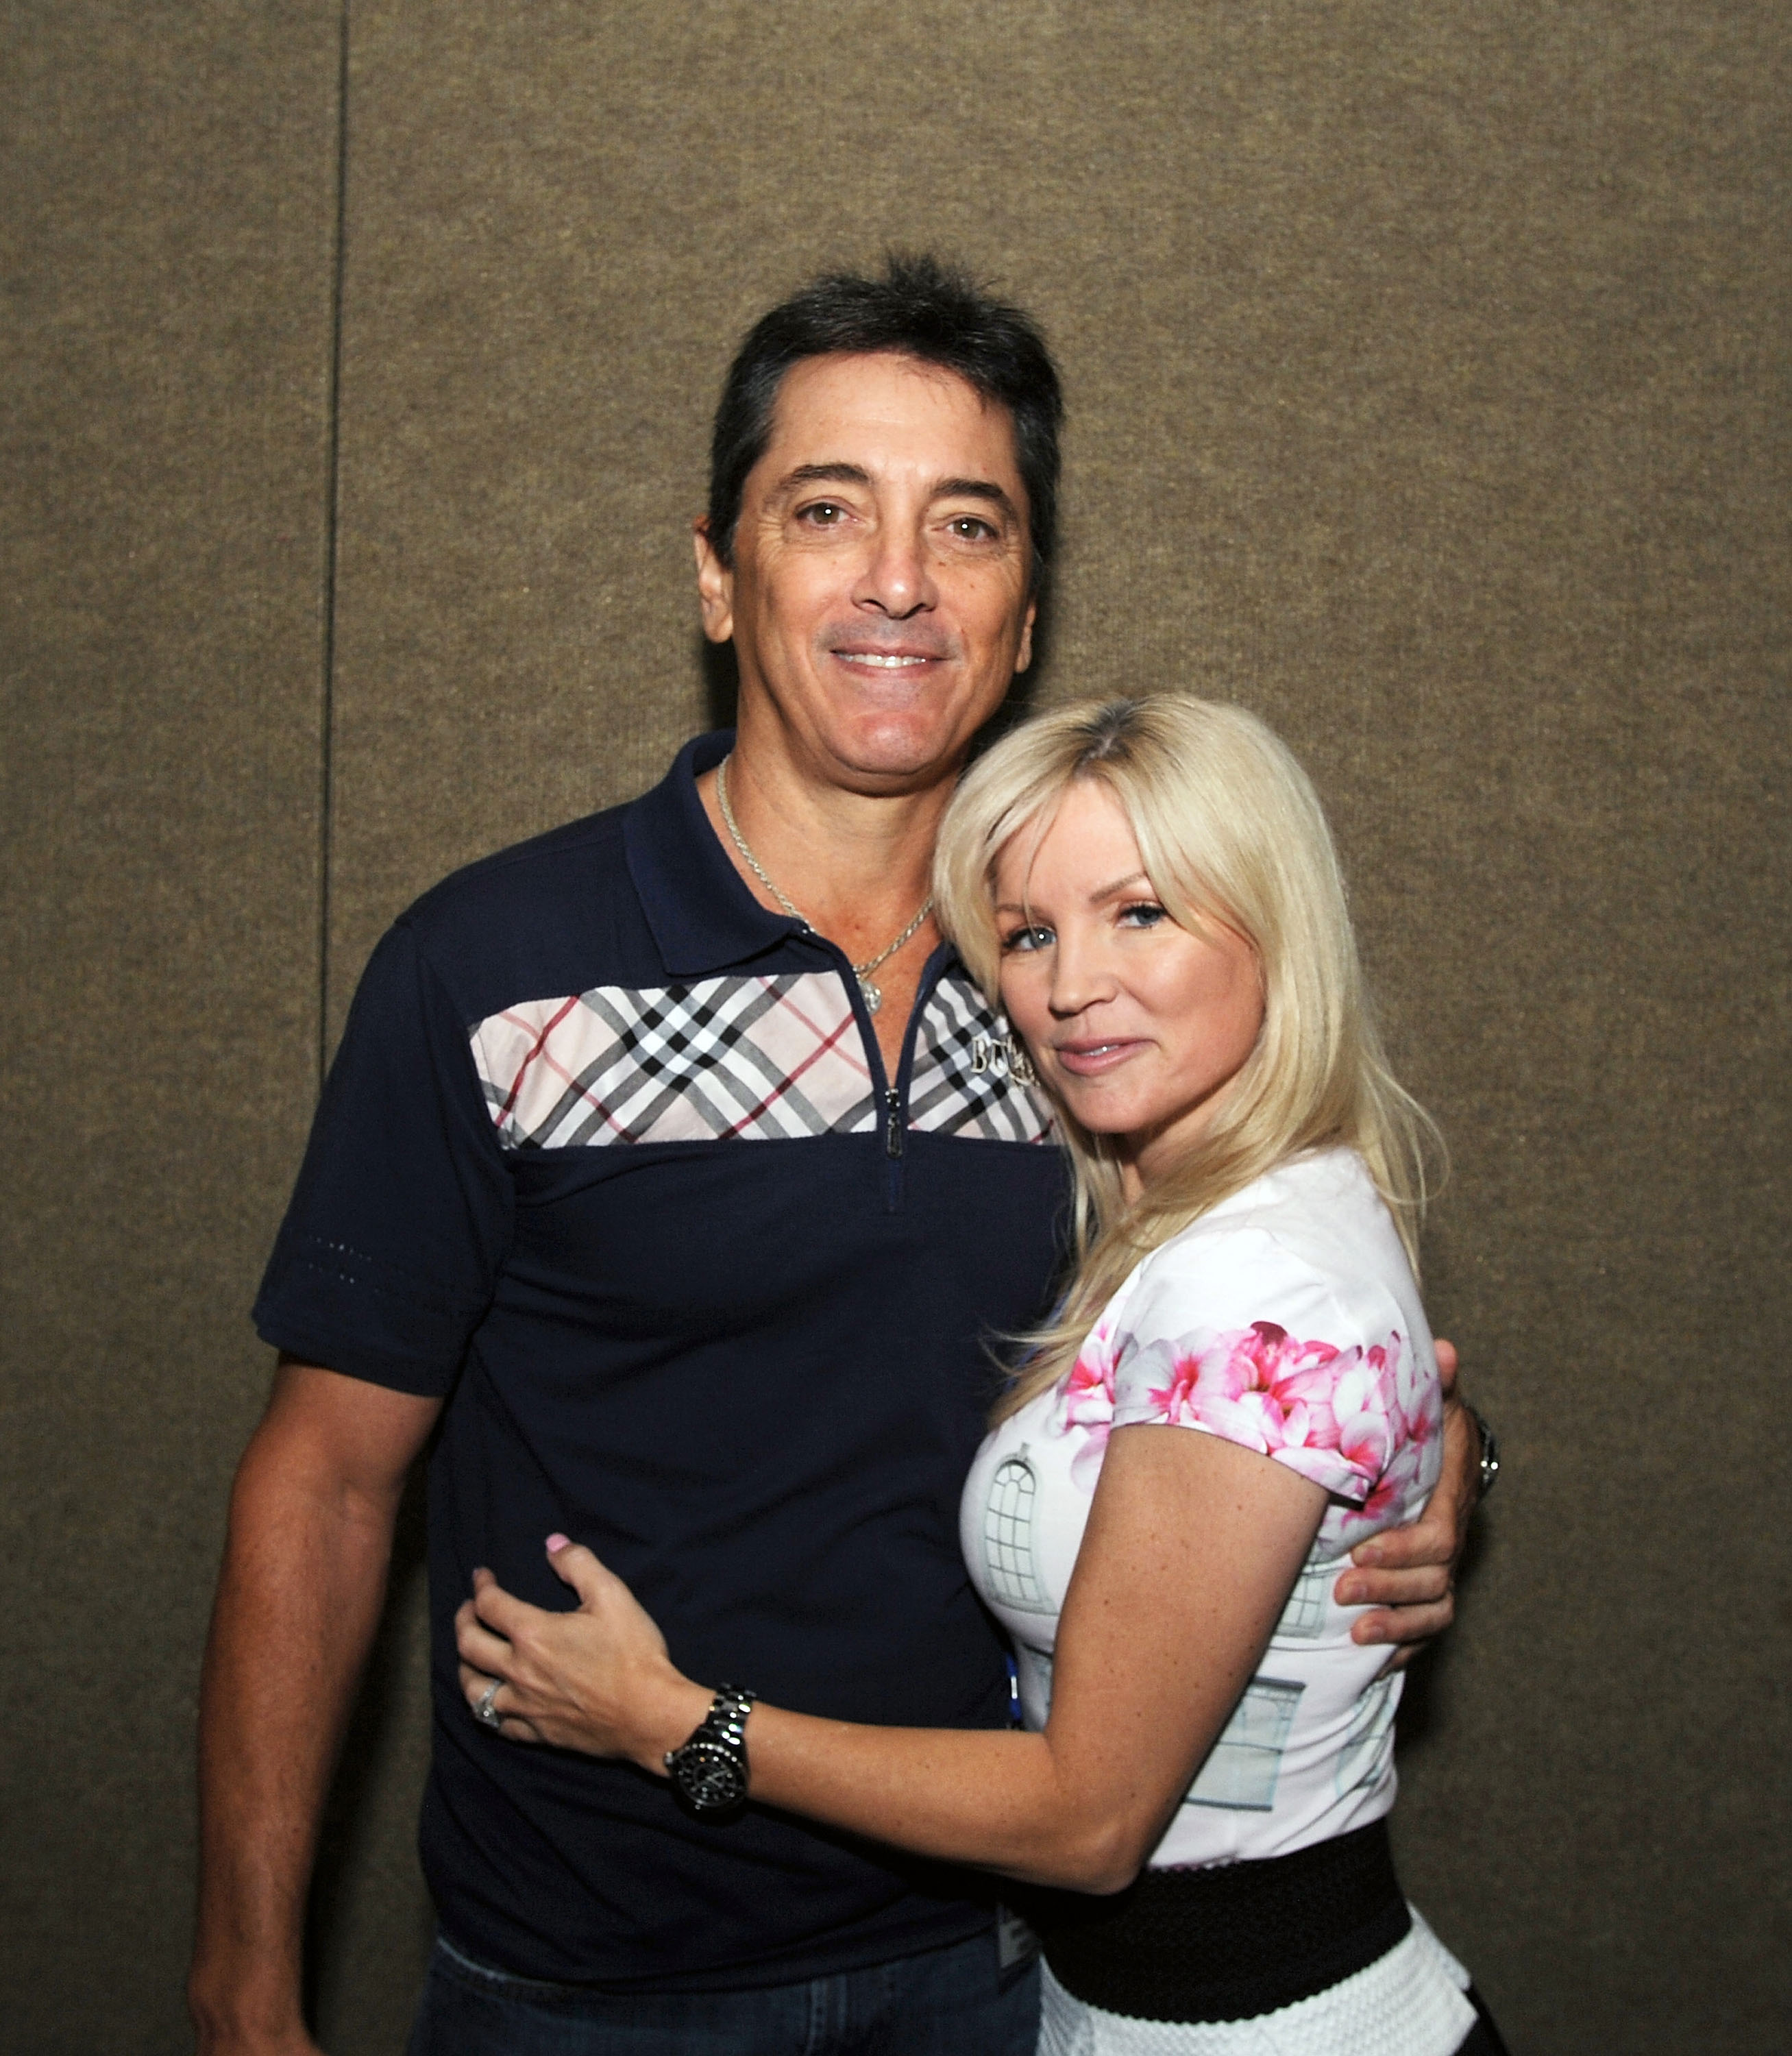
pixel 873 998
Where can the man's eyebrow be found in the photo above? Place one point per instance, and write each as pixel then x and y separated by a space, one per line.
pixel 823 474
pixel 976 488
pixel 842 473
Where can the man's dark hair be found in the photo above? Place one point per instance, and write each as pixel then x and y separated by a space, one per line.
pixel 921 308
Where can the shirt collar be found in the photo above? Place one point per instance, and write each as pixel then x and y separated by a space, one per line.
pixel 702 915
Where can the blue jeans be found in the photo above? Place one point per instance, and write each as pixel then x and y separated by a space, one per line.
pixel 951 2001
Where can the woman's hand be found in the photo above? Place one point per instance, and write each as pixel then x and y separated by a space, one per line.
pixel 598 1679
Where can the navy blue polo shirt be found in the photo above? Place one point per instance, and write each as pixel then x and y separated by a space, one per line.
pixel 608 1161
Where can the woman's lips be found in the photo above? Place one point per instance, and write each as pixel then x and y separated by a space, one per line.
pixel 1089 1059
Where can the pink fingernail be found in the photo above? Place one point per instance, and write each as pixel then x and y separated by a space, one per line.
pixel 556 1543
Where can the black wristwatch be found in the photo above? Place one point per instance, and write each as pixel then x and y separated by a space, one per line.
pixel 1489 1450
pixel 709 1773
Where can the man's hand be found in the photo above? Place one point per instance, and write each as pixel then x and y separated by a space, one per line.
pixel 247 2038
pixel 1408 1573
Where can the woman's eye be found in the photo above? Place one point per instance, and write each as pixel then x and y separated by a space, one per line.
pixel 1032 938
pixel 1143 914
pixel 824 514
pixel 970 528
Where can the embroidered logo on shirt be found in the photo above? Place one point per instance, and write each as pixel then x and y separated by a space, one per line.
pixel 971 1076
pixel 735 1059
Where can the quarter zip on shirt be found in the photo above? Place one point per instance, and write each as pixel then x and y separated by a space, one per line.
pixel 895 1096
pixel 891 1099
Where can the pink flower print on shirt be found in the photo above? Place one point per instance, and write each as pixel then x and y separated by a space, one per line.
pixel 1332 1414
pixel 1389 1415
pixel 1088 1404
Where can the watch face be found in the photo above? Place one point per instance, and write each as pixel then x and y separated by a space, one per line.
pixel 710 1775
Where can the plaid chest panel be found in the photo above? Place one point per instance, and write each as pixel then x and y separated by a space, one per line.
pixel 971 1077
pixel 723 1059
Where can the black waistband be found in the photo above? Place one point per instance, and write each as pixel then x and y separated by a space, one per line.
pixel 1231 1942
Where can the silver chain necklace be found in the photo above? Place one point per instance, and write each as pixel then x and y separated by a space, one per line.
pixel 861 971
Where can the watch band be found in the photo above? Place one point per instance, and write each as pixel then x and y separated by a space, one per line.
pixel 1489 1449
pixel 709 1772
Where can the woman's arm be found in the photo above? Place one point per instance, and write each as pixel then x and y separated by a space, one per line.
pixel 1192 1547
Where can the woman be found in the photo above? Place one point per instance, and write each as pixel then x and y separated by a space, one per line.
pixel 1151 887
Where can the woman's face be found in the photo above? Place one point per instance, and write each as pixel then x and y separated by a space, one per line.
pixel 1138 1024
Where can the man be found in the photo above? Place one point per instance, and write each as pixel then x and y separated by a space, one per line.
pixel 682 1217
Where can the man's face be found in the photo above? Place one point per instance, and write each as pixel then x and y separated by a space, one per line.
pixel 878 598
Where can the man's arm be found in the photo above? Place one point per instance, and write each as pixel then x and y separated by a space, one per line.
pixel 299 1596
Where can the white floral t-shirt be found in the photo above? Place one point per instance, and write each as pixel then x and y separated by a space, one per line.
pixel 1287 1320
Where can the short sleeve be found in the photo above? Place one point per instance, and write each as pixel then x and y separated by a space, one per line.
pixel 1252 1344
pixel 390 1250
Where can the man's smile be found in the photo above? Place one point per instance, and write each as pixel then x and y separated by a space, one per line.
pixel 877 654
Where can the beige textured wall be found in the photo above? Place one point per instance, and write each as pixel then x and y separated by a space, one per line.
pixel 1429 382
pixel 167 203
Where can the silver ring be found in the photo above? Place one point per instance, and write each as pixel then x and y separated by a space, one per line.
pixel 483 1711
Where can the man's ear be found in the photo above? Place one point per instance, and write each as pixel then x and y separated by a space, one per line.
pixel 1024 655
pixel 715 584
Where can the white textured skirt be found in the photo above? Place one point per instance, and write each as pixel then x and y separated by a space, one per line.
pixel 1409 2002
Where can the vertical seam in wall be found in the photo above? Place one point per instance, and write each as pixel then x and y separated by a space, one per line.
pixel 332 488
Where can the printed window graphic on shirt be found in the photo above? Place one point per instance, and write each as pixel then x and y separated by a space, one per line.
pixel 735 1059
pixel 1363 1754
pixel 1303 1617
pixel 1242 1766
pixel 1014 1575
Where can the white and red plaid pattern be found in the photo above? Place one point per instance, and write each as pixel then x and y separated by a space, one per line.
pixel 738 1059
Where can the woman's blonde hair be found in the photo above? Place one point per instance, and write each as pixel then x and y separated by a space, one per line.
pixel 1230 831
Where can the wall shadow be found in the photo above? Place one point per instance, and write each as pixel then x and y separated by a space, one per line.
pixel 1424 1701
pixel 721 681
